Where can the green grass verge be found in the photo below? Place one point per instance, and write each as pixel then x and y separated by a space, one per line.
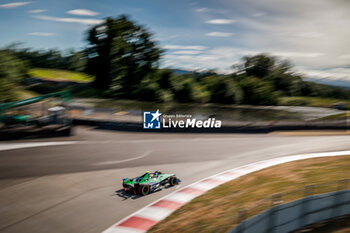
pixel 215 210
pixel 340 116
pixel 312 101
pixel 60 75
pixel 22 93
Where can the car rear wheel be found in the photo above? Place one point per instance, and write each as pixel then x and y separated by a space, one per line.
pixel 173 180
pixel 144 189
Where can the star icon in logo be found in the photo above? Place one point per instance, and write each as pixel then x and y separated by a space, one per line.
pixel 156 115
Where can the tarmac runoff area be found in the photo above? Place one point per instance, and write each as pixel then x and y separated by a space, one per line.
pixel 72 186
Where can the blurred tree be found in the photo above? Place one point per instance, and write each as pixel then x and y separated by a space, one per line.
pixel 77 61
pixel 182 87
pixel 223 90
pixel 120 55
pixel 259 65
pixel 12 71
pixel 164 76
pixel 258 92
pixel 52 58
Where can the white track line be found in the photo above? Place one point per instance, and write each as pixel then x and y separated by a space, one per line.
pixel 155 213
pixel 122 230
pixel 203 184
pixel 180 197
pixel 14 146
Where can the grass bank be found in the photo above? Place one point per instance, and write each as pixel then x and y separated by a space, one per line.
pixel 60 75
pixel 313 101
pixel 340 116
pixel 216 208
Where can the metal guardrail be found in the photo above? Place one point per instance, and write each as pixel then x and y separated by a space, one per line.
pixel 283 218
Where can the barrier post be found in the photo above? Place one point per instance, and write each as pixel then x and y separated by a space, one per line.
pixel 339 197
pixel 304 211
pixel 273 215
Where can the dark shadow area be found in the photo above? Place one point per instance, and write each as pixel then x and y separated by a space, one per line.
pixel 21 133
pixel 127 194
pixel 340 224
pixel 244 127
pixel 258 127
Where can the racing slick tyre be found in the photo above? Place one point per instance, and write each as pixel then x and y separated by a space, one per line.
pixel 144 189
pixel 173 180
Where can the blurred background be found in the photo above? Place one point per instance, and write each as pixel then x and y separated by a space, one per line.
pixel 216 56
pixel 277 74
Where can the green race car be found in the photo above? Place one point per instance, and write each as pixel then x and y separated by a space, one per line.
pixel 149 182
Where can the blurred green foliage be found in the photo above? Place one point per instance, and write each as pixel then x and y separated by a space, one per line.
pixel 12 72
pixel 258 92
pixel 222 89
pixel 53 59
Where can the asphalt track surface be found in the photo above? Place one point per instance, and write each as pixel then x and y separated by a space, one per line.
pixel 73 185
